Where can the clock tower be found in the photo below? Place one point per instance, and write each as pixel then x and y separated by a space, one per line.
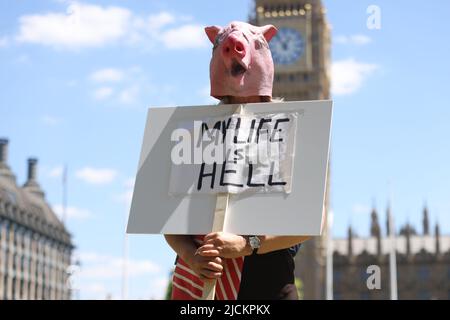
pixel 301 54
pixel 301 48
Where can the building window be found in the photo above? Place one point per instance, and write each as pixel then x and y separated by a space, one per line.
pixel 423 295
pixel 21 289
pixel 22 263
pixel 5 286
pixel 364 296
pixel 424 273
pixel 363 275
pixel 337 276
pixel 11 197
pixel 6 262
pixel 13 293
pixel 14 261
pixel 292 77
pixel 29 287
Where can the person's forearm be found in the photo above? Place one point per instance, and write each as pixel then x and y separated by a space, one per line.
pixel 273 243
pixel 183 245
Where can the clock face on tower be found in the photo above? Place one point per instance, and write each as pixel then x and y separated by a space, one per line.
pixel 287 46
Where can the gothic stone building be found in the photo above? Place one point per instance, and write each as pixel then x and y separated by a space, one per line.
pixel 301 53
pixel 423 263
pixel 35 247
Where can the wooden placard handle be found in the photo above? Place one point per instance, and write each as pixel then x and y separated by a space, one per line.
pixel 209 288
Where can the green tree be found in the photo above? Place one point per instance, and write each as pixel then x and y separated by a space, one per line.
pixel 168 295
pixel 299 285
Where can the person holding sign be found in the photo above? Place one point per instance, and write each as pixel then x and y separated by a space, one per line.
pixel 245 266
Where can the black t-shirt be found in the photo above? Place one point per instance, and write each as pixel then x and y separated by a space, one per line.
pixel 269 276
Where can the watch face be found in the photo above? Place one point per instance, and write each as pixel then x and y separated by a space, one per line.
pixel 254 242
pixel 287 46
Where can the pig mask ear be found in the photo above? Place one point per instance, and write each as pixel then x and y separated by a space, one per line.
pixel 269 31
pixel 212 32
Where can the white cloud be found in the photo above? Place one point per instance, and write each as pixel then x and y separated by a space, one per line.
pixel 56 172
pixel 72 213
pixel 129 183
pixel 205 94
pixel 159 20
pixel 100 277
pixel 103 93
pixel 358 208
pixel 86 25
pixel 95 289
pixel 149 27
pixel 129 95
pixel 96 175
pixel 127 195
pixel 187 36
pixel 4 42
pixel 82 25
pixel 361 39
pixel 356 39
pixel 107 75
pixel 98 266
pixel 50 120
pixel 157 288
pixel 124 84
pixel 347 76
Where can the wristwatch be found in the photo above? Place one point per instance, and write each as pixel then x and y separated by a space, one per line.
pixel 255 243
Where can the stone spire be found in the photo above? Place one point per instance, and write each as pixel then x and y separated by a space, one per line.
pixel 408 239
pixel 388 218
pixel 32 185
pixel 5 171
pixel 437 240
pixel 374 225
pixel 425 221
pixel 350 242
pixel 379 249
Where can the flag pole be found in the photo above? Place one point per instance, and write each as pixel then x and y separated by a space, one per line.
pixel 393 251
pixel 125 258
pixel 125 268
pixel 392 259
pixel 64 194
pixel 329 261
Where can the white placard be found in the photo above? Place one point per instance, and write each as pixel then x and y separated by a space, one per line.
pixel 238 153
pixel 160 206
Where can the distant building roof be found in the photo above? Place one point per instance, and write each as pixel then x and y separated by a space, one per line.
pixel 417 243
pixel 27 205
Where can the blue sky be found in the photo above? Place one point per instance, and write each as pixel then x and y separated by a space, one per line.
pixel 75 93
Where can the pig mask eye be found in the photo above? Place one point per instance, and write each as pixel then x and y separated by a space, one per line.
pixel 219 38
pixel 245 37
pixel 216 43
pixel 260 42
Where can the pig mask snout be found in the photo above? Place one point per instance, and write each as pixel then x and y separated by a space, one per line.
pixel 234 55
pixel 233 47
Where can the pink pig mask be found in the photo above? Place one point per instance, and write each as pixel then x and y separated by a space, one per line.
pixel 241 63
